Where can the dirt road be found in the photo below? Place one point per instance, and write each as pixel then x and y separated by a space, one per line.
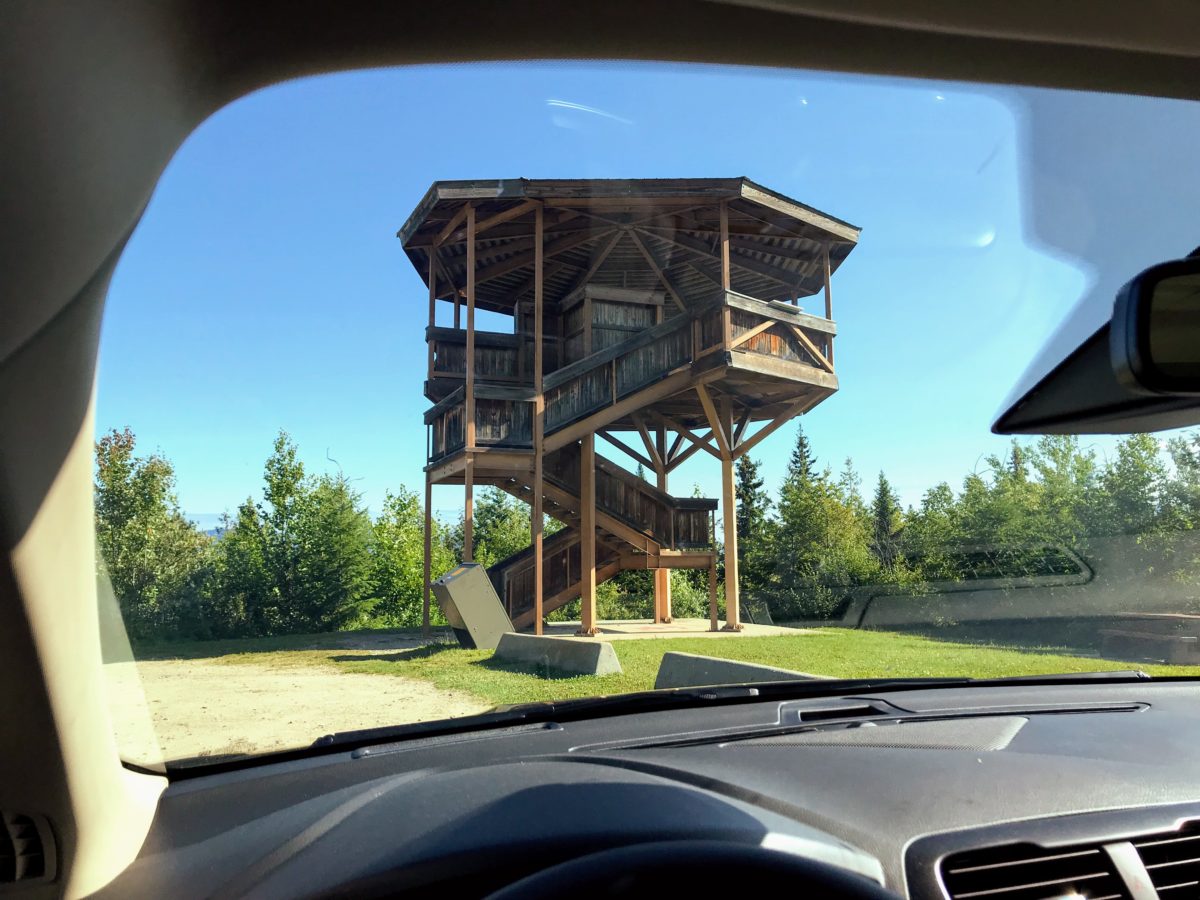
pixel 207 708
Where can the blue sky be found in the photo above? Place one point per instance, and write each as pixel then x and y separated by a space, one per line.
pixel 265 288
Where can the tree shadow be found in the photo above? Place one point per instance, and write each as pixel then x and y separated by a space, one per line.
pixel 389 639
pixel 1063 637
pixel 410 654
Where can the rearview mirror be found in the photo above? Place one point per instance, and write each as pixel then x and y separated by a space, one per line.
pixel 1155 330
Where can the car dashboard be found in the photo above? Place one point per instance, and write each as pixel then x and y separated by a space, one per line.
pixel 1005 792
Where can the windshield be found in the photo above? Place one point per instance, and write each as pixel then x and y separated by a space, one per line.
pixel 670 359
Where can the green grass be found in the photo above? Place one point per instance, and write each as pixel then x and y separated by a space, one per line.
pixel 835 652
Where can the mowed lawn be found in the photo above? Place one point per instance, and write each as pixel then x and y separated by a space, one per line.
pixel 834 652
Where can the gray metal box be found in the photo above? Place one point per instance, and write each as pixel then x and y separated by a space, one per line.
pixel 470 605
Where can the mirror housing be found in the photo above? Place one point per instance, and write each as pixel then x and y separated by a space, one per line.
pixel 1154 334
pixel 1138 372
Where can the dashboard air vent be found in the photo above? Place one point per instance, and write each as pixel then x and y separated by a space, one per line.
pixel 23 854
pixel 1026 872
pixel 1173 861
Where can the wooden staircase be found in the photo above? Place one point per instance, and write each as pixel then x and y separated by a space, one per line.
pixel 637 527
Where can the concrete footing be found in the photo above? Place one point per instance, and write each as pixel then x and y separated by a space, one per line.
pixel 691 670
pixel 563 655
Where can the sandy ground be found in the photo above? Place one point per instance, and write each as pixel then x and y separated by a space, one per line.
pixel 201 707
pixel 182 708
pixel 640 629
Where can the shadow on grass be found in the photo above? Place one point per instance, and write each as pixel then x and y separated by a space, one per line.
pixel 432 651
pixel 367 639
pixel 410 654
pixel 1061 637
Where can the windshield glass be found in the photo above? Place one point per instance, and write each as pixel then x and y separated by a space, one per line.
pixel 382 329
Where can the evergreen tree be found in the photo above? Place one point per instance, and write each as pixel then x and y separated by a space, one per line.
pixel 155 558
pixel 803 464
pixel 753 505
pixel 398 559
pixel 885 523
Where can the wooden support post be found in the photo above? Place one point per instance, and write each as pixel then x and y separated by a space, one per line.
pixel 432 305
pixel 726 278
pixel 428 554
pixel 587 535
pixel 469 412
pixel 729 512
pixel 828 301
pixel 469 510
pixel 539 412
pixel 662 577
pixel 469 404
pixel 714 614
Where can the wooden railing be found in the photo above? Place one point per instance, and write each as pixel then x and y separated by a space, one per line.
pixel 503 418
pixel 503 402
pixel 499 358
pixel 604 377
pixel 772 329
pixel 673 522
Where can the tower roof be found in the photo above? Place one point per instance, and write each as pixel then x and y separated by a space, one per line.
pixel 639 233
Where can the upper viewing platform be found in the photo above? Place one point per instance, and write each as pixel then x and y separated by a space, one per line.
pixel 639 280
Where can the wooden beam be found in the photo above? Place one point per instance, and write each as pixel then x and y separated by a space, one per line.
pixel 656 460
pixel 452 225
pixel 741 426
pixel 468 554
pixel 507 215
pixel 715 423
pixel 714 614
pixel 825 270
pixel 591 270
pixel 428 575
pixel 662 577
pixel 469 413
pixel 691 451
pixel 725 274
pixel 812 348
pixel 551 248
pixel 751 333
pixel 702 249
pixel 587 535
pixel 800 406
pixel 432 307
pixel 702 442
pixel 670 457
pixel 529 283
pixel 539 418
pixel 729 512
pixel 625 448
pixel 803 373
pixel 659 271
pixel 675 383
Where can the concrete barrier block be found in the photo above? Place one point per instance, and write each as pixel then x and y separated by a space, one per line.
pixel 562 655
pixel 679 670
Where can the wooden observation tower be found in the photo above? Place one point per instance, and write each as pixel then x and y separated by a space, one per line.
pixel 661 316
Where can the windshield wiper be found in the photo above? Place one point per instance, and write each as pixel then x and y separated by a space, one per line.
pixel 679 698
pixel 560 711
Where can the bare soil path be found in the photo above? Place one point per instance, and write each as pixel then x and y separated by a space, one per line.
pixel 202 707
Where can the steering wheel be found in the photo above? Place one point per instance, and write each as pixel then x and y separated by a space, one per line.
pixel 668 869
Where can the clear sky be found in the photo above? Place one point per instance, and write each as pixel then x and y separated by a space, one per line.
pixel 265 288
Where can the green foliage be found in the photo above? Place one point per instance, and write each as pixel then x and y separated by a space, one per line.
pixel 821 541
pixel 304 555
pixel 501 527
pixel 398 560
pixel 885 523
pixel 754 536
pixel 155 559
